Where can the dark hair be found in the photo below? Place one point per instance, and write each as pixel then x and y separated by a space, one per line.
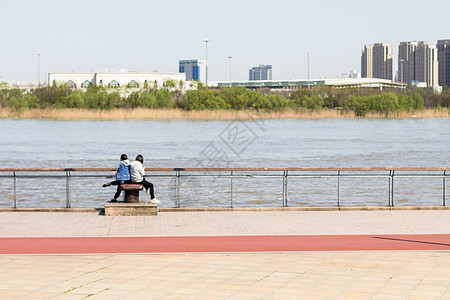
pixel 140 158
pixel 123 157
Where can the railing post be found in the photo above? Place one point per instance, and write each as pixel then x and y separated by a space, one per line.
pixel 443 190
pixel 15 190
pixel 392 188
pixel 282 190
pixel 338 188
pixel 231 189
pixel 389 189
pixel 68 190
pixel 285 188
pixel 177 189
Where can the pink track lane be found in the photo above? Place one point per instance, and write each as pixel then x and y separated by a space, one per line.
pixel 259 243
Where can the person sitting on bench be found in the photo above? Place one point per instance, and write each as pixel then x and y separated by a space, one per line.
pixel 137 172
pixel 122 176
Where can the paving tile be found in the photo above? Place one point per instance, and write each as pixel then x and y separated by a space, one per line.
pixel 218 223
pixel 302 275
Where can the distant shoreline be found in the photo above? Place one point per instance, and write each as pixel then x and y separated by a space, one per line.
pixel 174 114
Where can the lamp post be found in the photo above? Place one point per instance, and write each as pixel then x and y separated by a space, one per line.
pixel 206 66
pixel 230 57
pixel 309 88
pixel 260 75
pixel 39 68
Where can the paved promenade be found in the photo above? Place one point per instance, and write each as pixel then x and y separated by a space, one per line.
pixel 19 224
pixel 312 274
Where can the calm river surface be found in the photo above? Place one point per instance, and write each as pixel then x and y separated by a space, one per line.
pixel 250 143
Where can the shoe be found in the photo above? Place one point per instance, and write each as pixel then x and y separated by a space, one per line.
pixel 106 184
pixel 113 200
pixel 155 201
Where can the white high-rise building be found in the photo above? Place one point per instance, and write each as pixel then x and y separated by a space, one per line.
pixel 195 69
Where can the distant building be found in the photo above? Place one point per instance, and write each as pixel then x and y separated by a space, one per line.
pixel 418 63
pixel 261 72
pixel 195 69
pixel 294 84
pixel 351 74
pixel 354 74
pixel 406 52
pixel 443 48
pixel 367 62
pixel 376 61
pixel 136 80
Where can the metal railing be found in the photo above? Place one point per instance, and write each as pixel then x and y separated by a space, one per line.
pixel 182 175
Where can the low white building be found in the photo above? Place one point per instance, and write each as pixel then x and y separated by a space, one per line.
pixel 135 80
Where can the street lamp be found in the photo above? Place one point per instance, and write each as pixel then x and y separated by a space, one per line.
pixel 260 74
pixel 206 66
pixel 309 88
pixel 230 57
pixel 39 68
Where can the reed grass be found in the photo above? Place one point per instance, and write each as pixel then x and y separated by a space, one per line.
pixel 169 114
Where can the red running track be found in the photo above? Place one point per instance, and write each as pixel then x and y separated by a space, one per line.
pixel 182 244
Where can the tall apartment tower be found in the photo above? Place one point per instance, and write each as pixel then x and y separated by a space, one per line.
pixel 418 62
pixel 261 72
pixel 195 69
pixel 443 48
pixel 367 62
pixel 406 61
pixel 376 61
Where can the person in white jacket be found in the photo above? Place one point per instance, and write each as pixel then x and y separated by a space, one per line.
pixel 137 172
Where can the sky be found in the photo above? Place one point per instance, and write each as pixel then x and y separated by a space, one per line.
pixel 144 36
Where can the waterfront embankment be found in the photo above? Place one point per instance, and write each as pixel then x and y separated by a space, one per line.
pixel 173 114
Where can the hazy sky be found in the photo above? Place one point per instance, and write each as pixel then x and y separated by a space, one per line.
pixel 137 35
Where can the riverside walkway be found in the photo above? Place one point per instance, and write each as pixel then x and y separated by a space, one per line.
pixel 280 254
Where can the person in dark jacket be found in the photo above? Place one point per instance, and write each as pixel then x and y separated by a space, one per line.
pixel 122 176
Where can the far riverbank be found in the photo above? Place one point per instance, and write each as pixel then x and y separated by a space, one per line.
pixel 173 114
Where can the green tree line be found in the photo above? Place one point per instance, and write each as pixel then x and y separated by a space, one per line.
pixel 361 101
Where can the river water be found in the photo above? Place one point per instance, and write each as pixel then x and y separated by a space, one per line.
pixel 237 143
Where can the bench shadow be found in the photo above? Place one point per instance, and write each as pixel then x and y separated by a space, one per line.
pixel 410 241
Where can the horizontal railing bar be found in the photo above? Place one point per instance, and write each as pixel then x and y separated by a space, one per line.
pixel 421 176
pixel 231 176
pixel 224 169
pixel 37 176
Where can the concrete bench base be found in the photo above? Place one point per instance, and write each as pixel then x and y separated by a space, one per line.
pixel 130 209
pixel 131 192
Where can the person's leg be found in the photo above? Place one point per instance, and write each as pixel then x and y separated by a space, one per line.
pixel 118 191
pixel 117 194
pixel 148 186
pixel 111 183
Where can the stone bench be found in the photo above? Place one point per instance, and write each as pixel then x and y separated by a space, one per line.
pixel 131 192
pixel 131 206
